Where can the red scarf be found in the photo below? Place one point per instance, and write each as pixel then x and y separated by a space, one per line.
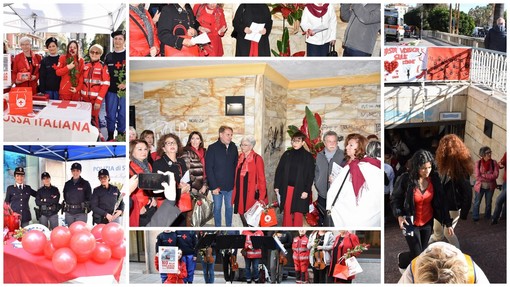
pixel 358 180
pixel 486 165
pixel 317 11
pixel 249 158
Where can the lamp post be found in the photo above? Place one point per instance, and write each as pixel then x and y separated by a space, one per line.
pixel 421 21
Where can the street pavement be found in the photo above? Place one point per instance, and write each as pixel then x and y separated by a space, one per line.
pixel 371 274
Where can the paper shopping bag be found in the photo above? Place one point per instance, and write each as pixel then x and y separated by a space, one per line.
pixel 341 271
pixel 252 215
pixel 20 101
pixel 268 218
pixel 353 266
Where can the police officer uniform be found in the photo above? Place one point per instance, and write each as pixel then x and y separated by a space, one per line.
pixel 47 199
pixel 104 199
pixel 77 195
pixel 18 195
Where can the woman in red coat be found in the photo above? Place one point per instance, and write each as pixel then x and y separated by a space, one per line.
pixel 25 67
pixel 344 241
pixel 212 21
pixel 70 68
pixel 143 36
pixel 142 205
pixel 250 180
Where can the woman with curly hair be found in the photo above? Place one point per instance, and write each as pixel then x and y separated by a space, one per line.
pixel 454 165
pixel 354 195
pixel 170 150
pixel 418 198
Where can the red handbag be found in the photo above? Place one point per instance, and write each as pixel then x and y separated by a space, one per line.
pixel 268 218
pixel 312 218
pixel 341 271
pixel 185 202
pixel 192 51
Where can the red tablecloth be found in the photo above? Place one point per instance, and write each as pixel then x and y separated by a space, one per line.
pixel 23 267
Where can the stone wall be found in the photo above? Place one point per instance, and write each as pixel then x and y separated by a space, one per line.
pixel 481 106
pixel 183 106
pixel 344 109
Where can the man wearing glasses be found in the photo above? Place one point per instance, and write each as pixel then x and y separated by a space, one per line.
pixel 96 82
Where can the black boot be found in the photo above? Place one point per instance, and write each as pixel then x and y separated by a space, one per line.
pixel 110 136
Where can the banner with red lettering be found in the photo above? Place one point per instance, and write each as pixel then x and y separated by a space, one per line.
pixel 448 63
pixel 417 64
pixel 404 64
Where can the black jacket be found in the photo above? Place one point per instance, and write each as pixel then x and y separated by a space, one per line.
pixel 402 199
pixel 458 194
pixel 48 198
pixel 103 202
pixel 76 194
pixel 220 165
pixel 304 162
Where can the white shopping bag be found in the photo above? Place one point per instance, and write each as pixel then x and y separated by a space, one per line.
pixel 252 215
pixel 353 266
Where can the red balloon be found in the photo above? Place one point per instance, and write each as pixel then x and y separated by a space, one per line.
pixel 112 234
pixel 78 226
pixel 49 250
pixel 34 242
pixel 64 260
pixel 60 237
pixel 83 243
pixel 102 253
pixel 83 258
pixel 96 231
pixel 119 251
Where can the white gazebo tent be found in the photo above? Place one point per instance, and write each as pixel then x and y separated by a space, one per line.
pixel 99 18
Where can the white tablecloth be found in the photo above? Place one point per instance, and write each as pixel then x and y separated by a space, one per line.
pixel 60 121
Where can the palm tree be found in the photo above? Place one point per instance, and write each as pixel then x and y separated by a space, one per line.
pixel 499 10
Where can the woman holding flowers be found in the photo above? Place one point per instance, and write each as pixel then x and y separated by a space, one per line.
pixel 70 67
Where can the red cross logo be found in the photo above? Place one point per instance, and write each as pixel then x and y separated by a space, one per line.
pixel 184 236
pixel 118 65
pixel 64 104
pixel 169 240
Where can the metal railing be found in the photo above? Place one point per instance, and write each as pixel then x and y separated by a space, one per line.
pixel 489 68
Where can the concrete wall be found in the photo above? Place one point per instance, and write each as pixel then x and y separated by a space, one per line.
pixel 481 106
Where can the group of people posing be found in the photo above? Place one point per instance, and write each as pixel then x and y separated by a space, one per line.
pixel 237 180
pixel 169 29
pixel 68 77
pixel 105 201
pixel 320 250
pixel 434 192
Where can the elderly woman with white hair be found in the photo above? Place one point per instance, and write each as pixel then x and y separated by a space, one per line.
pixel 250 180
pixel 96 82
pixel 25 66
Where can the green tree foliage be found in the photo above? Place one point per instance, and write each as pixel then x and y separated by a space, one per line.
pixel 482 15
pixel 439 16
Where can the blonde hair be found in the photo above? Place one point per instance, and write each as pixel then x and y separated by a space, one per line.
pixel 441 263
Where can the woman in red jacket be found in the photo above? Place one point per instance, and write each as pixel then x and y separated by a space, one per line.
pixel 143 36
pixel 212 22
pixel 344 241
pixel 142 206
pixel 25 67
pixel 70 68
pixel 250 180
pixel 252 256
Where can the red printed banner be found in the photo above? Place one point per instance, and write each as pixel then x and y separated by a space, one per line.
pixel 448 64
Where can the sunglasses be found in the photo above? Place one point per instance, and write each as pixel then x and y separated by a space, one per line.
pixel 94 52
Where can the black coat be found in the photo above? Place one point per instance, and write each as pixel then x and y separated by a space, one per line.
pixel 305 164
pixel 495 40
pixel 458 194
pixel 172 17
pixel 18 199
pixel 402 198
pixel 245 15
